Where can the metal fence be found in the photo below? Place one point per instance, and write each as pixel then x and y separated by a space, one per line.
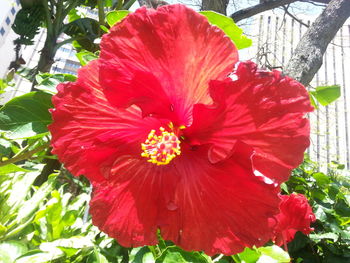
pixel 276 38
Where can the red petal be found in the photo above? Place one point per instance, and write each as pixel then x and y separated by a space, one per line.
pixel 127 207
pixel 262 109
pixel 163 60
pixel 219 206
pixel 295 215
pixel 88 133
pixel 197 205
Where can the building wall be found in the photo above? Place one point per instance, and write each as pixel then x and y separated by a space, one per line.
pixel 8 11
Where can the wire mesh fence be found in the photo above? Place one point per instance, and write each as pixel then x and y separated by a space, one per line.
pixel 276 40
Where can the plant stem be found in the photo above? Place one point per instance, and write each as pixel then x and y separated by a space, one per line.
pixel 24 156
pixel 155 251
pixel 236 258
pixel 101 12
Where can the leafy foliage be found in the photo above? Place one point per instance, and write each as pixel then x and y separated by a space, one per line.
pixel 230 28
pixel 27 23
pixel 85 57
pixel 26 116
pixel 114 17
pixel 84 31
pixel 47 82
pixel 263 254
pixel 325 94
pixel 329 194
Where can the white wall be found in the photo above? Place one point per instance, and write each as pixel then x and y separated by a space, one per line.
pixel 8 10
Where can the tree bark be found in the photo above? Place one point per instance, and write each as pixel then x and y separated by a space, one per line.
pixel 219 6
pixel 47 55
pixel 307 57
pixel 259 8
pixel 145 2
pixel 152 3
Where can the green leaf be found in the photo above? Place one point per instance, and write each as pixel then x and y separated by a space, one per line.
pixel 229 27
pixel 26 116
pixel 177 255
pixel 313 100
pixel 48 82
pixel 21 187
pixel 274 252
pixel 321 179
pixel 3 230
pixel 342 208
pixel 249 255
pixel 299 242
pixel 5 147
pixel 108 3
pixel 97 257
pixel 143 255
pixel 73 15
pixel 27 23
pixel 69 251
pixel 69 218
pixel 318 194
pixel 3 85
pixel 104 28
pixel 76 242
pixel 37 256
pixel 114 17
pixel 284 187
pixel 326 94
pixel 10 250
pixel 85 57
pixel 30 206
pixel 85 31
pixel 11 168
pixel 318 237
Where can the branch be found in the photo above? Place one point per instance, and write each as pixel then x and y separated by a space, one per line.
pixel 294 17
pixel 259 8
pixel 47 16
pixel 319 1
pixel 68 40
pixel 307 57
pixel 265 6
pixel 313 3
pixel 24 156
pixel 59 18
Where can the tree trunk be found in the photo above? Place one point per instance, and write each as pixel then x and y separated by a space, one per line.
pixel 47 54
pixel 307 57
pixel 219 6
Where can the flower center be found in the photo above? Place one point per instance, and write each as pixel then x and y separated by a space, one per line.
pixel 161 149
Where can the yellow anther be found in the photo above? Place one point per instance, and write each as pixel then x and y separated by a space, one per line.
pixel 161 149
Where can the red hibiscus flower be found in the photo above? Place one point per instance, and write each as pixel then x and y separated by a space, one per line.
pixel 170 142
pixel 295 215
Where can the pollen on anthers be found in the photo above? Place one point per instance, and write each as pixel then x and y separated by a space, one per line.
pixel 161 149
